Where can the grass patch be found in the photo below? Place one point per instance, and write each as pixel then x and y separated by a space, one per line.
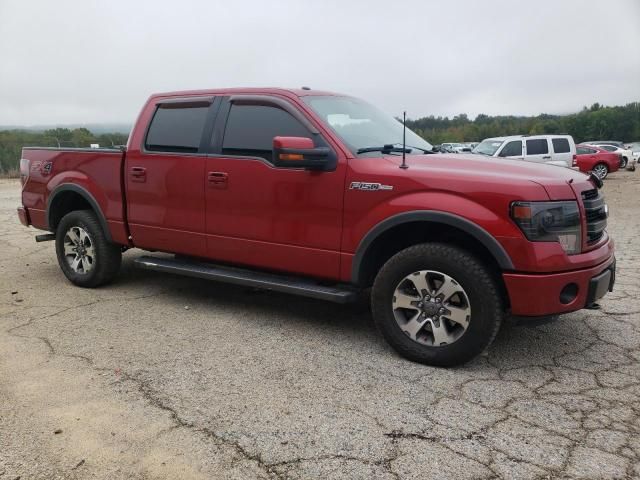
pixel 11 173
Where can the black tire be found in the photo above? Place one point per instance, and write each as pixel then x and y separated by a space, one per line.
pixel 481 287
pixel 623 162
pixel 107 256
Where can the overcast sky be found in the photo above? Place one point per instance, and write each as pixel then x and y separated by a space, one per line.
pixel 68 61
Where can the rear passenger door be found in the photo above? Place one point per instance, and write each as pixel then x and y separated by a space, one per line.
pixel 537 150
pixel 164 177
pixel 260 215
pixel 562 150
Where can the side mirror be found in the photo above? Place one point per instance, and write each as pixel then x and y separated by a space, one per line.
pixel 299 152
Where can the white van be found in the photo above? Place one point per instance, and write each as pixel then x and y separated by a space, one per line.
pixel 551 149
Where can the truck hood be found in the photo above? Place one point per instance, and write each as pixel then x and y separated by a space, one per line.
pixel 556 180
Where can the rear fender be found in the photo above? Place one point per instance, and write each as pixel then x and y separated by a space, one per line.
pixel 84 192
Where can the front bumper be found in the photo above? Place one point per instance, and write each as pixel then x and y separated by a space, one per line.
pixel 533 295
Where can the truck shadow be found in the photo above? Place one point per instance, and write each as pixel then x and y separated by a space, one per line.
pixel 352 324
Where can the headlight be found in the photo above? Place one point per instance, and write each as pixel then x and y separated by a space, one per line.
pixel 550 222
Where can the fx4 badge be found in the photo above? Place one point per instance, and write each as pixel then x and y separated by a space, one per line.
pixel 369 186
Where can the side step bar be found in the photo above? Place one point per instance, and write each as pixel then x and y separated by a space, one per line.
pixel 249 278
pixel 46 237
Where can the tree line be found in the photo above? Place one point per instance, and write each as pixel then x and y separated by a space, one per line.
pixel 597 122
pixel 12 141
pixel 594 123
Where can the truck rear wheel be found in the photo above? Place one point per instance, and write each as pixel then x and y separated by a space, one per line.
pixel 85 256
pixel 437 304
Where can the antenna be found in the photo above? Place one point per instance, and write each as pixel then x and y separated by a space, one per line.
pixel 404 165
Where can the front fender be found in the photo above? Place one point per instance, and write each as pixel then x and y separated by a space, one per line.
pixel 480 222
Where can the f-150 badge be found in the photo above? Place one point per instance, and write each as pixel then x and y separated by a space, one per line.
pixel 369 186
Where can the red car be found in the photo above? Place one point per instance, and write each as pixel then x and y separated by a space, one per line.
pixel 324 195
pixel 594 159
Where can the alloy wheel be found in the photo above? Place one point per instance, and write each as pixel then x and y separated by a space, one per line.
pixel 431 308
pixel 600 171
pixel 79 250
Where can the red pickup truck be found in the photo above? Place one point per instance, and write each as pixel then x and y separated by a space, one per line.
pixel 323 195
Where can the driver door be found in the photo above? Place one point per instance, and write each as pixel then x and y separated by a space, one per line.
pixel 260 215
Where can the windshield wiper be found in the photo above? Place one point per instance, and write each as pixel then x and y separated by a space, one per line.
pixel 388 148
pixel 424 150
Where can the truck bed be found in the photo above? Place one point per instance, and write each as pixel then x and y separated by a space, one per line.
pixel 60 174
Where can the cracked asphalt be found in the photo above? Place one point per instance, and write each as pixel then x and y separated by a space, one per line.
pixel 158 376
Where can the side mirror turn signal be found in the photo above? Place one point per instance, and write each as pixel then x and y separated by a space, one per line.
pixel 299 152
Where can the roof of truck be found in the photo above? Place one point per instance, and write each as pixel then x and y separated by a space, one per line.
pixel 298 92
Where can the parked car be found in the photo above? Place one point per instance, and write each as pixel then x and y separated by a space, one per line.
pixel 454 148
pixel 551 149
pixel 596 160
pixel 604 142
pixel 314 194
pixel 627 159
pixel 635 150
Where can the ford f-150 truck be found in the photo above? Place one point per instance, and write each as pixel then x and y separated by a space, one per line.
pixel 323 195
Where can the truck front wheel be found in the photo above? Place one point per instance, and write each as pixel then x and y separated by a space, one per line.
pixel 437 304
pixel 85 256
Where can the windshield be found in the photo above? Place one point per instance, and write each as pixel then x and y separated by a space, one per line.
pixel 361 125
pixel 488 147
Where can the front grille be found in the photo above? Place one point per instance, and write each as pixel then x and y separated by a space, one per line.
pixel 596 214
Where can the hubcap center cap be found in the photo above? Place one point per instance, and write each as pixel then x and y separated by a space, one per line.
pixel 430 308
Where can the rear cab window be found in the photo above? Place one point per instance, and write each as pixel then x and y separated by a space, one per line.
pixel 177 127
pixel 537 146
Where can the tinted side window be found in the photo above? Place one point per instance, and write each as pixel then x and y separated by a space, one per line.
pixel 176 128
pixel 584 151
pixel 561 145
pixel 512 149
pixel 537 146
pixel 250 130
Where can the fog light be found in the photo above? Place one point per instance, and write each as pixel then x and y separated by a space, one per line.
pixel 568 293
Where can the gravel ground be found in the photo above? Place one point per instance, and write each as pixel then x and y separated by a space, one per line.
pixel 158 376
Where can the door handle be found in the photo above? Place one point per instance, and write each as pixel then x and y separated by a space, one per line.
pixel 547 157
pixel 217 179
pixel 138 174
